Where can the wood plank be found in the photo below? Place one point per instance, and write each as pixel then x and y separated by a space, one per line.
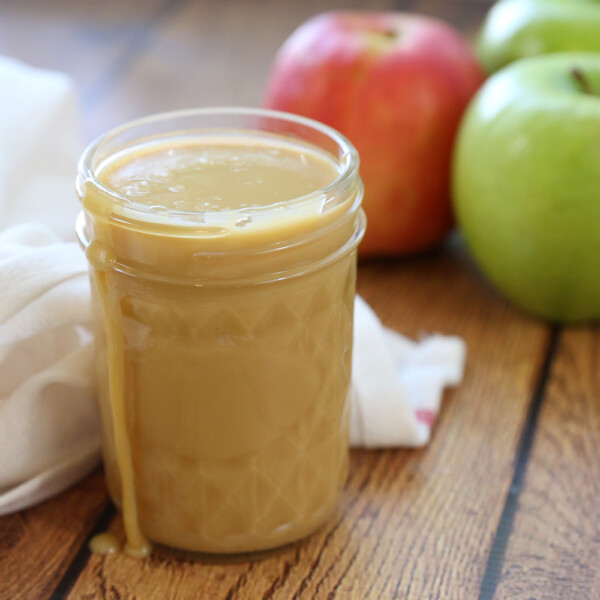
pixel 38 544
pixel 554 549
pixel 417 523
pixel 88 40
pixel 209 54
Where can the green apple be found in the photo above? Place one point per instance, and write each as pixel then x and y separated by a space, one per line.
pixel 517 29
pixel 526 183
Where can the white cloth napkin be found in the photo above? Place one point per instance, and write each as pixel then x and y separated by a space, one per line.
pixel 397 384
pixel 49 429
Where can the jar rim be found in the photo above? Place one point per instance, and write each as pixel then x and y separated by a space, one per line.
pixel 347 159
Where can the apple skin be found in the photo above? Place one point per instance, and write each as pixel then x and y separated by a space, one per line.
pixel 396 85
pixel 516 29
pixel 527 184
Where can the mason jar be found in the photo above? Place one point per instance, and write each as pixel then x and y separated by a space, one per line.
pixel 223 332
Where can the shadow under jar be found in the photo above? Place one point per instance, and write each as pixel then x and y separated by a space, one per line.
pixel 222 252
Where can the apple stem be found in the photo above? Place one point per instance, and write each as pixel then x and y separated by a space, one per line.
pixel 582 80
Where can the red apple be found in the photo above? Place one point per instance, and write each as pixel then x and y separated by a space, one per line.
pixel 396 85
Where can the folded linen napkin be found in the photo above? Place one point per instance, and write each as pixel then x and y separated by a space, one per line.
pixel 397 384
pixel 49 430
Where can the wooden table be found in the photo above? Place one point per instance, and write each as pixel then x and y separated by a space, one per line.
pixel 503 503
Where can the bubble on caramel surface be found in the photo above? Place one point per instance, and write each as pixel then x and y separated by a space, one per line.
pixel 243 221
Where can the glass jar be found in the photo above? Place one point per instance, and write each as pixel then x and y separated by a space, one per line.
pixel 223 343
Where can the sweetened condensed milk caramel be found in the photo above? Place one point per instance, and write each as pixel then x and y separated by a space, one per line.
pixel 222 261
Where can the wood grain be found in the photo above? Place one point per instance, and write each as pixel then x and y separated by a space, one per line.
pixel 415 524
pixel 554 550
pixel 37 545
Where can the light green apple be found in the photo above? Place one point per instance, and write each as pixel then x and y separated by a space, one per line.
pixel 516 29
pixel 526 183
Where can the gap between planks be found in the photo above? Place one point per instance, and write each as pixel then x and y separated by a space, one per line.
pixel 493 569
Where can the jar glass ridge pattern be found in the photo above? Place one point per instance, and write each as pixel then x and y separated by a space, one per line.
pixel 232 343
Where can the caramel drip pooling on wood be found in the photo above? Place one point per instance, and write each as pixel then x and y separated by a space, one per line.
pixel 137 545
pixel 104 543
